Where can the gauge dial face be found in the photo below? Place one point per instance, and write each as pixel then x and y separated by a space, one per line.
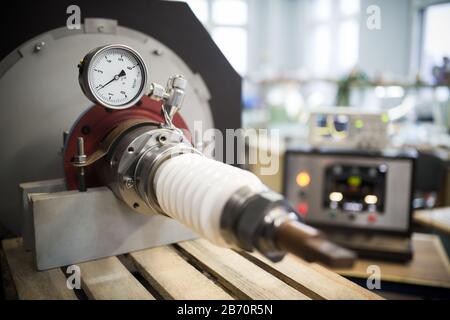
pixel 116 76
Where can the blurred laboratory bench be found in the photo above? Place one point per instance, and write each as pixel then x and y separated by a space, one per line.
pixel 438 219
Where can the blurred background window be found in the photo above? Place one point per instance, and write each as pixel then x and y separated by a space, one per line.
pixel 435 43
pixel 227 21
pixel 334 36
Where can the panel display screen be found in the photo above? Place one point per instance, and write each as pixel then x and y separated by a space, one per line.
pixel 332 127
pixel 355 188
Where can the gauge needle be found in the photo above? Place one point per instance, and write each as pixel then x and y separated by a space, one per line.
pixel 116 77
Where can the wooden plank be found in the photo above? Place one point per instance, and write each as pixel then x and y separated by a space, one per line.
pixel 429 266
pixel 173 277
pixel 245 279
pixel 108 279
pixel 31 284
pixel 311 282
pixel 367 294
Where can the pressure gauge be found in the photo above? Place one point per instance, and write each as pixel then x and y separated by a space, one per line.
pixel 114 76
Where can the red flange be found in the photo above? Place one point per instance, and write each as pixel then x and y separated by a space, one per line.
pixel 96 123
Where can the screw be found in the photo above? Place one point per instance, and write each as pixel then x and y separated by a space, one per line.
pixel 162 139
pixel 86 130
pixel 129 183
pixel 158 52
pixel 114 162
pixel 39 46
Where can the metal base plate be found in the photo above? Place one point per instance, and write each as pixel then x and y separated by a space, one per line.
pixel 70 227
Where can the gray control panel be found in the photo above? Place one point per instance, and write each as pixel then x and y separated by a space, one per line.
pixel 362 192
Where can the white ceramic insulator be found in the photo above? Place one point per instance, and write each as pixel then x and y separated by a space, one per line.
pixel 194 189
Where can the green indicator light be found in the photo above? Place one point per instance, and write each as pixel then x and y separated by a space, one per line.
pixel 354 181
pixel 385 118
pixel 359 124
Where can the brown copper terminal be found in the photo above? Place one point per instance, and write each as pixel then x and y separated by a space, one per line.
pixel 311 245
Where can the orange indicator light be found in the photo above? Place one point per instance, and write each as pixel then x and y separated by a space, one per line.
pixel 303 179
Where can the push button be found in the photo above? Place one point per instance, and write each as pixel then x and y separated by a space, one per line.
pixel 372 218
pixel 303 208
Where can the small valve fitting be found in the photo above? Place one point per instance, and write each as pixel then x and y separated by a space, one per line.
pixel 172 95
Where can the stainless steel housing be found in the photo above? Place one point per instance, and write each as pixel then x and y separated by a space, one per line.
pixel 131 165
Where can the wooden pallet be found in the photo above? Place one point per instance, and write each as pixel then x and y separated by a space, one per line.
pixel 188 270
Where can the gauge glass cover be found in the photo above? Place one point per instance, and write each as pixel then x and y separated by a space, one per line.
pixel 116 77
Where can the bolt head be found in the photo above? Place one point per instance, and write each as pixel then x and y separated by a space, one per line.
pixel 39 46
pixel 158 52
pixel 129 183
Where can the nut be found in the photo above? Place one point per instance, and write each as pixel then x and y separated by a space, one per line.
pixel 157 91
pixel 178 82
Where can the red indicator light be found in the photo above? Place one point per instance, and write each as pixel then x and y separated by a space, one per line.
pixel 303 208
pixel 372 218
